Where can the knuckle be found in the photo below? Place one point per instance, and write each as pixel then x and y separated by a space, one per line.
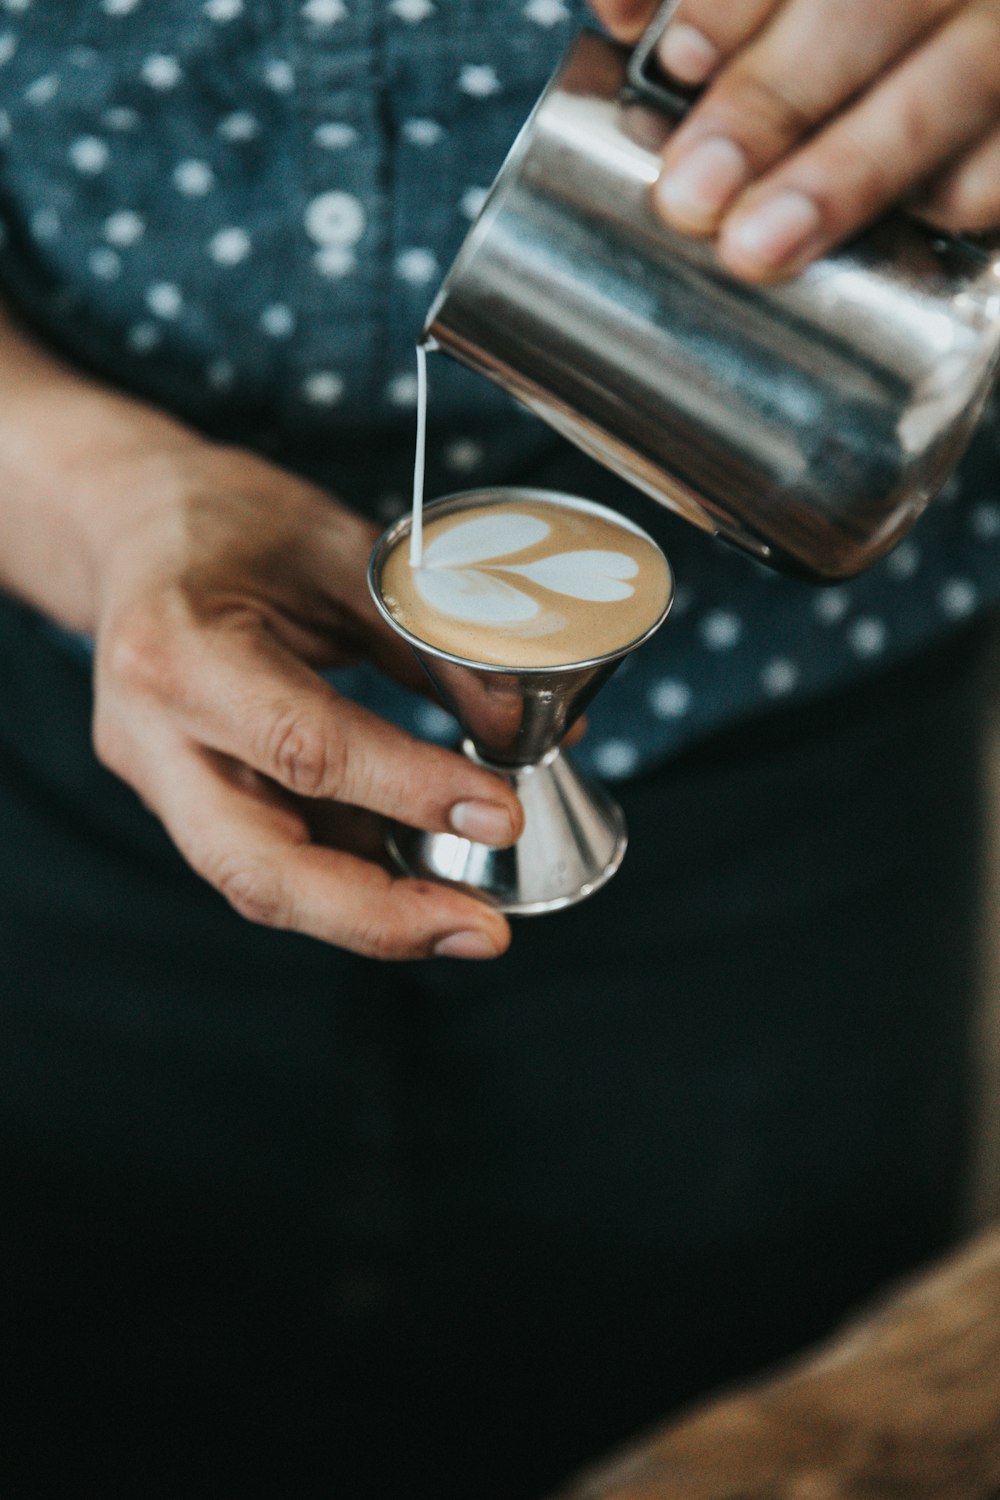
pixel 394 923
pixel 965 201
pixel 251 891
pixel 141 658
pixel 917 127
pixel 301 755
pixel 852 182
pixel 381 939
pixel 780 114
pixel 355 773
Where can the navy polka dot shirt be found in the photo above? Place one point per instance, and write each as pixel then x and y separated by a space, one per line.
pixel 239 210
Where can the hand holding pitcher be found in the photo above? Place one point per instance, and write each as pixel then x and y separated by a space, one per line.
pixel 817 117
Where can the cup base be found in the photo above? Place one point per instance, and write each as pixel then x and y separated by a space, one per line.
pixel 574 839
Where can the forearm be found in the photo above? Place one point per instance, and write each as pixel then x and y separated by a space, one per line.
pixel 78 464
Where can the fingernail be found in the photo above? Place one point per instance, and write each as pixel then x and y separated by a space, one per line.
pixel 696 191
pixel 774 233
pixel 687 54
pixel 465 945
pixel 482 822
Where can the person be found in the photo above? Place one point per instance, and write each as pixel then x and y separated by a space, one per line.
pixel 274 1206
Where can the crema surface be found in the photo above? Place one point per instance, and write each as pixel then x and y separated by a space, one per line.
pixel 528 582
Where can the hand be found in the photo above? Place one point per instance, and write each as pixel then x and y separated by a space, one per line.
pixel 819 114
pixel 216 604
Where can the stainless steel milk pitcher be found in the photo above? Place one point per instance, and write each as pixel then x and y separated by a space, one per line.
pixel 809 422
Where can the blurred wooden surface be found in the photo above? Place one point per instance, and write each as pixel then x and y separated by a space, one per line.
pixel 903 1405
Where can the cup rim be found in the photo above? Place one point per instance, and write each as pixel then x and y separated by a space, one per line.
pixel 486 495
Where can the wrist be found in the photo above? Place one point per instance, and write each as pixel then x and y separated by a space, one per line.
pixel 79 464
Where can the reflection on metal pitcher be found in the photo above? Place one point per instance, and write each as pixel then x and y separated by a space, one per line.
pixel 809 422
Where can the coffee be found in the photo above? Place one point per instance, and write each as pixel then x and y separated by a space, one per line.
pixel 525 578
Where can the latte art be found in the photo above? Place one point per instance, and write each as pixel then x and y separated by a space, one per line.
pixel 528 579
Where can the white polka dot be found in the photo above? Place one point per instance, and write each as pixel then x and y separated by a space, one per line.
pixel 417 266
pixel 958 597
pixel 118 7
pixel 616 758
pixel 120 118
pixel 142 337
pixel 435 723
pixel 831 605
pixel 546 12
pixel 670 698
pixel 720 629
pixel 42 90
pixel 164 299
pixel 193 178
pixel 104 263
pixel 683 600
pixel 867 636
pixel 323 388
pixel 334 135
pixel 479 80
pixel 223 10
pixel 324 12
pixel 4 124
pixel 221 375
pixel 422 132
pixel 8 46
pixel 412 11
pixel 472 201
pixel 229 246
pixel 124 228
pixel 402 390
pixel 278 321
pixel 335 261
pixel 985 521
pixel 89 154
pixel 161 71
pixel 463 455
pixel 779 676
pixel 238 127
pixel 904 561
pixel 279 75
pixel 335 219
pixel 46 224
pixel 950 490
pixel 16 5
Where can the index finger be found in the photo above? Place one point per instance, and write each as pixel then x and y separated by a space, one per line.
pixel 253 848
pixel 943 95
pixel 245 695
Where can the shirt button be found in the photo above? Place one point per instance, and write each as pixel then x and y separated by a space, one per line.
pixel 335 219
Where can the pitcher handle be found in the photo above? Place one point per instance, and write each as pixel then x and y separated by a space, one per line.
pixel 647 79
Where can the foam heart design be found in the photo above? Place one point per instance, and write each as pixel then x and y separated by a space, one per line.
pixel 595 575
pixel 483 538
pixel 473 597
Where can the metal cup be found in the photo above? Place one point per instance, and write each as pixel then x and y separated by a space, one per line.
pixel 809 422
pixel 513 721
